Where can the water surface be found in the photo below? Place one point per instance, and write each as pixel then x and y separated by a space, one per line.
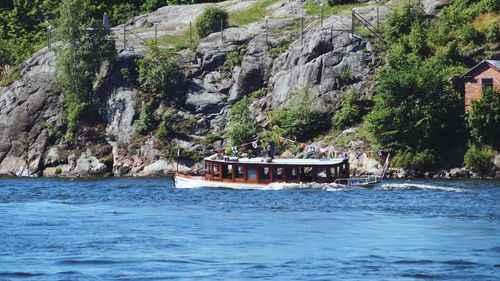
pixel 144 229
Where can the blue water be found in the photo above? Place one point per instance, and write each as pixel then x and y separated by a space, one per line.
pixel 144 229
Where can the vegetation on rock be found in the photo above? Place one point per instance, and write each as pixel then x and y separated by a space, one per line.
pixel 211 20
pixel 157 72
pixel 298 119
pixel 85 47
pixel 242 126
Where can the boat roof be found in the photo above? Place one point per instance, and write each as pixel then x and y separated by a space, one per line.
pixel 276 161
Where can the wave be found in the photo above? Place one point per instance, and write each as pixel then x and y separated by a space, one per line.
pixel 417 186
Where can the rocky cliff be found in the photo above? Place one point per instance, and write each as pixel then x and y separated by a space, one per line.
pixel 31 108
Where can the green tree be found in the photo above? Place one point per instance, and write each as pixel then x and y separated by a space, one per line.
pixel 86 45
pixel 415 109
pixel 483 120
pixel 401 20
pixel 210 21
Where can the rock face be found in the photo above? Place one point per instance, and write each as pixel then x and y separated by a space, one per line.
pixel 219 74
pixel 27 107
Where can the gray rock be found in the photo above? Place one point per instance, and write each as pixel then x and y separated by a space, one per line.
pixel 88 165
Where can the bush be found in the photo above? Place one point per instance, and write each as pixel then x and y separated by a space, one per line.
pixel 157 72
pixel 233 59
pixel 298 119
pixel 483 120
pixel 479 159
pixel 350 113
pixel 146 121
pixel 242 126
pixel 210 21
pixel 425 160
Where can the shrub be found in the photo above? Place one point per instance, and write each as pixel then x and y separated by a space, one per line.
pixel 210 21
pixel 350 113
pixel 146 121
pixel 157 72
pixel 479 159
pixel 242 126
pixel 298 119
pixel 166 127
pixel 233 59
pixel 419 161
pixel 483 120
pixel 58 171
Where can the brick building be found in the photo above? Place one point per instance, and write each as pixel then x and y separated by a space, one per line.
pixel 485 74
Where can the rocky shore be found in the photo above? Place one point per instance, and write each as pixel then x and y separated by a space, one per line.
pixel 32 120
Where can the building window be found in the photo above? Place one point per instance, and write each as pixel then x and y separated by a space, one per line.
pixel 487 83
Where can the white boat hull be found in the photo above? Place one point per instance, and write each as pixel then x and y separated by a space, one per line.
pixel 184 181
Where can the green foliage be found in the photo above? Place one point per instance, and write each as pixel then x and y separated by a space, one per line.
pixel 211 138
pixel 80 58
pixel 125 72
pixel 419 161
pixel 351 111
pixel 157 72
pixel 280 49
pixel 402 18
pixel 166 127
pixel 152 5
pixel 58 171
pixel 414 106
pixel 146 122
pixel 346 75
pixel 479 159
pixel 233 59
pixel 259 93
pixel 121 13
pixel 253 14
pixel 483 120
pixel 298 119
pixel 242 126
pixel 53 131
pixel 210 21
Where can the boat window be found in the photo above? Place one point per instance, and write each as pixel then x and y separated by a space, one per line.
pixel 207 167
pixel 333 172
pixel 293 173
pixel 307 173
pixel 321 173
pixel 264 173
pixel 278 173
pixel 216 170
pixel 227 171
pixel 238 171
pixel 252 173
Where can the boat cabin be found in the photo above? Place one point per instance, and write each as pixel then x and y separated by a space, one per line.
pixel 258 170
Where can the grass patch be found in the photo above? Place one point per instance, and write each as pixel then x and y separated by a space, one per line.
pixel 179 42
pixel 255 13
pixel 484 21
pixel 313 8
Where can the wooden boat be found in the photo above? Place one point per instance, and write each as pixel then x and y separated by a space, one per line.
pixel 257 173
